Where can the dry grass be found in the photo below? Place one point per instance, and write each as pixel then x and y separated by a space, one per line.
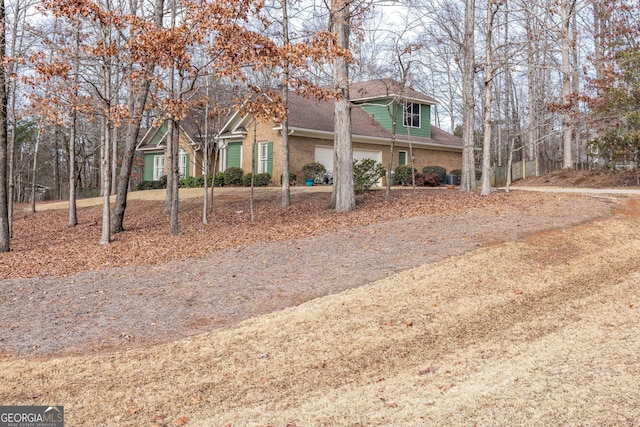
pixel 542 332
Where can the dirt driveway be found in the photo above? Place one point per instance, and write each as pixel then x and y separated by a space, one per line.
pixel 522 315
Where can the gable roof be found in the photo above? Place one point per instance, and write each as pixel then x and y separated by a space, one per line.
pixel 386 89
pixel 155 138
pixel 309 116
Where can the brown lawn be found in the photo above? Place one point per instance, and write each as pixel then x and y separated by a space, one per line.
pixel 542 330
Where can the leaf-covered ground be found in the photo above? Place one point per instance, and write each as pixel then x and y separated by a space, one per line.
pixel 43 244
pixel 528 318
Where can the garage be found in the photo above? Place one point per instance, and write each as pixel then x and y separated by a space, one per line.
pixel 324 155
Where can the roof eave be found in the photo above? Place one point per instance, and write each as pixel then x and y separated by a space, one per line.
pixel 314 133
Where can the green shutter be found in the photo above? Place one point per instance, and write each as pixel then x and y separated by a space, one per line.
pixel 270 158
pixel 187 172
pixel 234 150
pixel 147 174
pixel 254 159
pixel 402 158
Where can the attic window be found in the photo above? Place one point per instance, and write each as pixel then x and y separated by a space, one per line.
pixel 412 115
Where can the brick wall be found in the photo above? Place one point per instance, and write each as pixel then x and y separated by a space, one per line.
pixel 302 151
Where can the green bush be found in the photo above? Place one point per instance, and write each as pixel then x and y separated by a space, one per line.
pixel 438 170
pixel 191 182
pixel 313 170
pixel 292 178
pixel 218 180
pixel 153 185
pixel 402 175
pixel 233 176
pixel 260 180
pixel 366 173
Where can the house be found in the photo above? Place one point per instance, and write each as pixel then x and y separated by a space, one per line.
pixel 153 149
pixel 311 124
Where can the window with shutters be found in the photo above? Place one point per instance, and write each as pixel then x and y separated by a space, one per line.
pixel 158 167
pixel 402 158
pixel 182 163
pixel 263 157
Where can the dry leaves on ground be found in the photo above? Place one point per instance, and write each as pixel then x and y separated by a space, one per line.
pixel 43 244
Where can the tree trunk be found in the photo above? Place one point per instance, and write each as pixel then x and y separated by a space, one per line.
pixel 486 108
pixel 286 191
pixel 105 175
pixel 566 8
pixel 175 173
pixel 206 157
pixel 468 179
pixel 137 106
pixel 5 236
pixel 56 166
pixel 34 170
pixel 343 198
pixel 394 124
pixel 73 183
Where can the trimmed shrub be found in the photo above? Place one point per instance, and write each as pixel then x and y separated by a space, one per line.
pixel 191 182
pixel 292 178
pixel 153 185
pixel 439 170
pixel 218 179
pixel 427 179
pixel 233 176
pixel 313 170
pixel 402 175
pixel 260 180
pixel 366 173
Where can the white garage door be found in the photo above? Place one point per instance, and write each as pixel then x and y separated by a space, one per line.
pixel 324 155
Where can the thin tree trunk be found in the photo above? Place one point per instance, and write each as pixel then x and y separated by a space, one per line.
pixel 137 105
pixel 468 179
pixel 216 151
pixel 254 150
pixel 5 236
pixel 286 191
pixel 34 170
pixel 486 108
pixel 105 236
pixel 343 198
pixel 175 178
pixel 56 166
pixel 206 157
pixel 394 124
pixel 73 183
pixel 566 8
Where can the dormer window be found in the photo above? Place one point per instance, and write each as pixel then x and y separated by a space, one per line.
pixel 412 115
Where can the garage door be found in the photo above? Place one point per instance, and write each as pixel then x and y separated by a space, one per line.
pixel 324 155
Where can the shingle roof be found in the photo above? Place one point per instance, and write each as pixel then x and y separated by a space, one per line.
pixel 312 114
pixel 386 88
